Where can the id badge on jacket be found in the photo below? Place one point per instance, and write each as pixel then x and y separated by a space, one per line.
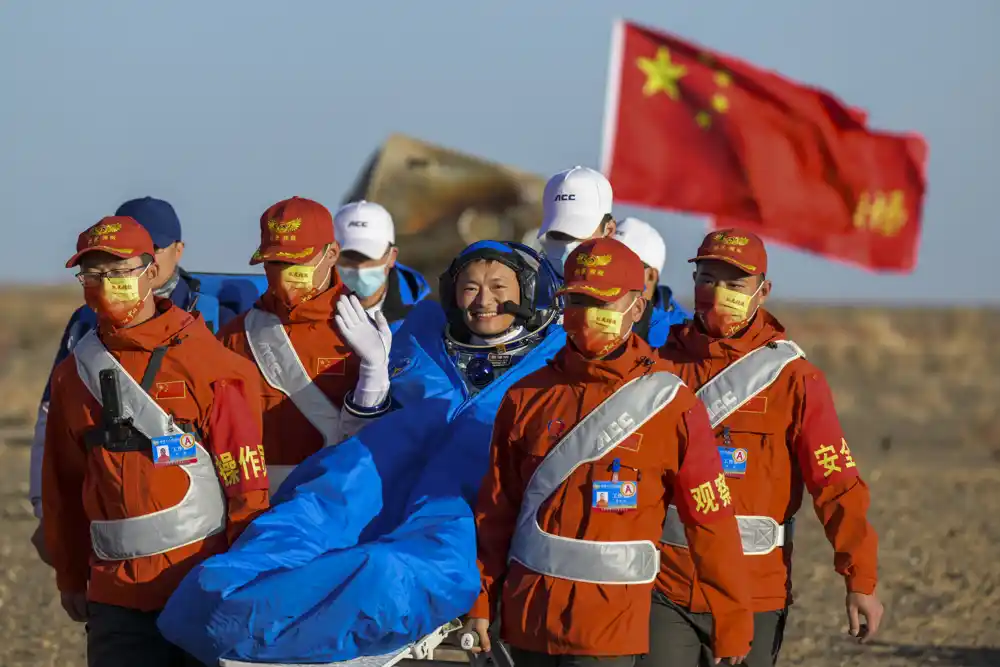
pixel 172 450
pixel 615 495
pixel 734 459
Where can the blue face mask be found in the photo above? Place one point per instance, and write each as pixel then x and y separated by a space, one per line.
pixel 557 252
pixel 364 282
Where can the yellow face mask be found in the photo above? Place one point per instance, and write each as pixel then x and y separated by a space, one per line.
pixel 723 311
pixel 595 331
pixel 733 302
pixel 293 283
pixel 298 276
pixel 121 290
pixel 116 300
pixel 604 321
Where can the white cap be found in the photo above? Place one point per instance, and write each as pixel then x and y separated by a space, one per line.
pixel 575 202
pixel 643 239
pixel 364 227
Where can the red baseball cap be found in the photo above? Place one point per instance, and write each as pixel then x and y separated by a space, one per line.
pixel 117 235
pixel 737 247
pixel 294 230
pixel 603 268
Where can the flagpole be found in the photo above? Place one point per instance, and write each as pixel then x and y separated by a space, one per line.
pixel 611 94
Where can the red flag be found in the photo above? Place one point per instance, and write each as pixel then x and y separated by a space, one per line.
pixel 882 236
pixel 694 130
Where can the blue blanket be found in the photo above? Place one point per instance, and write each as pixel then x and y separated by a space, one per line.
pixel 371 544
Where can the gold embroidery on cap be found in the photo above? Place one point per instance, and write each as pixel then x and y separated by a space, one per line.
pixel 107 228
pixel 611 291
pixel 593 260
pixel 284 227
pixel 123 251
pixel 294 255
pixel 730 240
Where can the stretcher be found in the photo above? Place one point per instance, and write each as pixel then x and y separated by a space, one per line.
pixel 426 648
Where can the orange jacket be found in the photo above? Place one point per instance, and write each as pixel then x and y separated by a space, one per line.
pixel 199 383
pixel 673 450
pixel 789 430
pixel 288 436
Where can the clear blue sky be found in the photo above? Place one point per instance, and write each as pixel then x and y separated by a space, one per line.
pixel 224 107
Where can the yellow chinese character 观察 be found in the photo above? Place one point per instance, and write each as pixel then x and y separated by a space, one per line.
pixel 723 489
pixel 846 451
pixel 226 466
pixel 827 457
pixel 704 498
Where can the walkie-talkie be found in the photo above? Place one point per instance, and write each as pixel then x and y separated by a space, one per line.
pixel 119 434
pixel 111 398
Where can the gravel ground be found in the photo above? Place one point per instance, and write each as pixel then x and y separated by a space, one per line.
pixel 938 520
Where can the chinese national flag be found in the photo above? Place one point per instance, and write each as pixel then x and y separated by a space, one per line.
pixel 694 130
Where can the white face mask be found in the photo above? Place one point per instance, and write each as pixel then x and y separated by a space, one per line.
pixel 557 251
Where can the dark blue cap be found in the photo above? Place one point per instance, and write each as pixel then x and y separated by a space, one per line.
pixel 157 216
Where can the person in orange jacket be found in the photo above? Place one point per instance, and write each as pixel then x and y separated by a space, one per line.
pixel 586 453
pixel 323 365
pixel 776 427
pixel 139 490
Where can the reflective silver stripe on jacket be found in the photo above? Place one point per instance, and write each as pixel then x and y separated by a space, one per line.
pixel 615 419
pixel 723 395
pixel 739 382
pixel 759 534
pixel 281 367
pixel 201 512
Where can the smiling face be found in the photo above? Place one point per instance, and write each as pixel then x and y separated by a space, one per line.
pixel 480 288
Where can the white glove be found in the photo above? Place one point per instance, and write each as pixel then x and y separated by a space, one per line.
pixel 371 341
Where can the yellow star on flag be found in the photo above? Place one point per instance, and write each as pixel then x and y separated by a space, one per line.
pixel 661 74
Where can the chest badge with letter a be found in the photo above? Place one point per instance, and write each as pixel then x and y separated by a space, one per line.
pixel 734 461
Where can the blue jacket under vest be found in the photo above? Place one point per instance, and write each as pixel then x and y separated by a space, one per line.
pixel 406 287
pixel 663 313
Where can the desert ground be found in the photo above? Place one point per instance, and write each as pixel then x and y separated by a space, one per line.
pixel 918 391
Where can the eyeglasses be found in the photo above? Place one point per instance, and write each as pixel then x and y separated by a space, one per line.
pixel 92 278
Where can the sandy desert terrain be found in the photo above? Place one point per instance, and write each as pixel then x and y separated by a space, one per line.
pixel 919 395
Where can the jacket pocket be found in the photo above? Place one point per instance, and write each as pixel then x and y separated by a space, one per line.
pixel 748 459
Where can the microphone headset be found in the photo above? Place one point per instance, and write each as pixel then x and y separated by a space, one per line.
pixel 536 279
